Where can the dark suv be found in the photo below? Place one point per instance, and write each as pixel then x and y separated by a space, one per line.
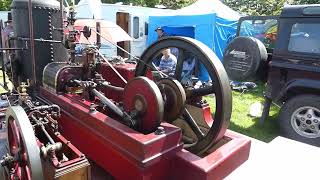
pixel 284 51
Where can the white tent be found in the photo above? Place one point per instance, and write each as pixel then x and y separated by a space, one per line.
pixel 209 6
pixel 95 7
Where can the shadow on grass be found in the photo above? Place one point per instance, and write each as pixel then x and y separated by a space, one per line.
pixel 265 132
pixel 243 123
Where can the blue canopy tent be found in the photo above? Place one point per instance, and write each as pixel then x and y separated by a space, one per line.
pixel 209 21
pixel 211 30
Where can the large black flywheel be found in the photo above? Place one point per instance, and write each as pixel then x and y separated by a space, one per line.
pixel 188 90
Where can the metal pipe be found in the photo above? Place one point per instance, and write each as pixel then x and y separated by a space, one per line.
pixel 62 20
pixel 108 103
pixel 2 62
pixel 39 40
pixel 98 26
pixel 47 134
pixel 11 49
pixel 31 31
pixel 46 107
pixel 106 85
pixel 111 66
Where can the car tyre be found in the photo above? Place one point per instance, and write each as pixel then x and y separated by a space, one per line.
pixel 299 119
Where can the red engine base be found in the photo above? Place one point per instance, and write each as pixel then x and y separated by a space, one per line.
pixel 127 154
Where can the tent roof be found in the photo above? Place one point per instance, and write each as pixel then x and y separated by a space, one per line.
pixel 208 7
pixel 94 6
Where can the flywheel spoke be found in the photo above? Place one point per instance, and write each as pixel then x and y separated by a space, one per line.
pixel 192 123
pixel 27 172
pixel 17 170
pixel 179 65
pixel 14 138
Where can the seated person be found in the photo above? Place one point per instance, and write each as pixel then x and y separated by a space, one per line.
pixel 187 68
pixel 168 62
pixel 175 51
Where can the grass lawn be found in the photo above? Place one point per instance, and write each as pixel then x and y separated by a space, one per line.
pixel 2 90
pixel 245 124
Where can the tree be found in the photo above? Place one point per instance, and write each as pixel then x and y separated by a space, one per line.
pixel 263 7
pixel 173 4
pixel 305 2
pixel 5 5
pixel 176 4
pixel 256 7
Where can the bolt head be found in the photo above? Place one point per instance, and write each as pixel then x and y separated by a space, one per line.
pixel 160 130
pixel 315 121
pixel 302 119
pixel 312 127
pixel 309 116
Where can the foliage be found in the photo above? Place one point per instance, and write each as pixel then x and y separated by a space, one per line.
pixel 176 4
pixel 256 7
pixel 5 5
pixel 305 2
pixel 173 4
pixel 149 3
pixel 263 7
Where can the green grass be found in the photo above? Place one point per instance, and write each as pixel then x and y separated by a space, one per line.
pixel 245 124
pixel 2 90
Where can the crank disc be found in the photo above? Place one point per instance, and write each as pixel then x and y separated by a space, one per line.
pixel 216 88
pixel 22 145
pixel 144 97
pixel 175 98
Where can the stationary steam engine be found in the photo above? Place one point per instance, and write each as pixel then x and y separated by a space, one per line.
pixel 126 116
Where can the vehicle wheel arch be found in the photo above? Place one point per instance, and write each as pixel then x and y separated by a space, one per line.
pixel 299 87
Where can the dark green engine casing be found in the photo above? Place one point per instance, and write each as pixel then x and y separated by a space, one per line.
pixel 47 25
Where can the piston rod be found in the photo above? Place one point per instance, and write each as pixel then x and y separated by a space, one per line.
pixel 108 102
pixel 107 85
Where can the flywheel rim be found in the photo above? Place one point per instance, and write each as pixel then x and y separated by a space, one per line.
pixel 221 88
pixel 31 159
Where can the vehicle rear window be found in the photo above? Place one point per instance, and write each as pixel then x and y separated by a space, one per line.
pixel 305 38
pixel 263 29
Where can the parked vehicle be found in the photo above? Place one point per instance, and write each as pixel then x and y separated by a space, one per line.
pixel 284 51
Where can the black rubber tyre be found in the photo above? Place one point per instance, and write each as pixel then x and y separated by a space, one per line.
pixel 242 58
pixel 293 107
